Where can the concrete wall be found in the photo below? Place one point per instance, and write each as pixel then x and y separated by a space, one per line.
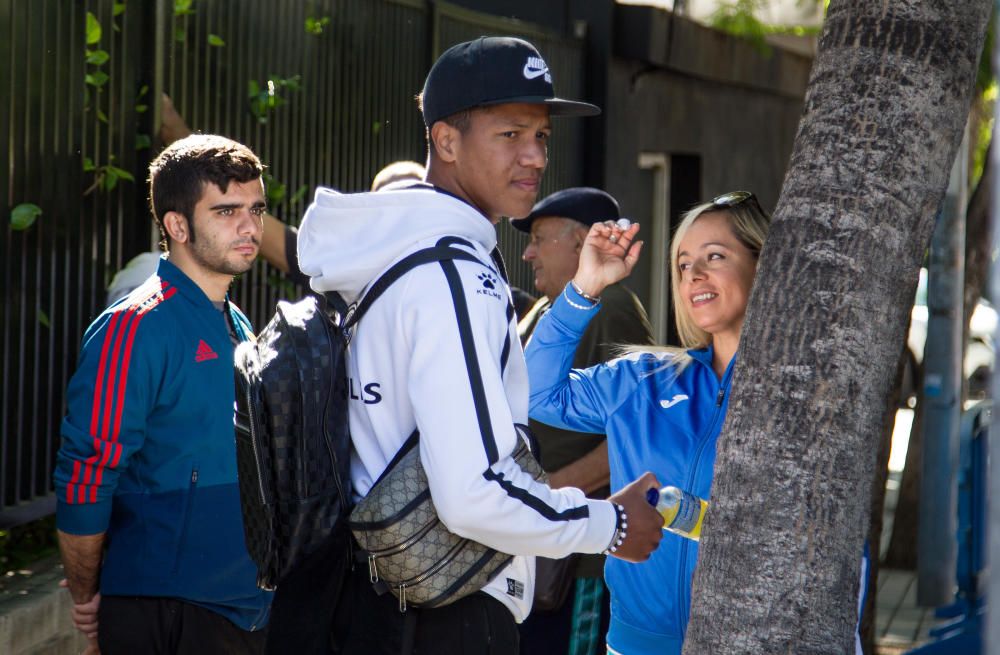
pixel 678 88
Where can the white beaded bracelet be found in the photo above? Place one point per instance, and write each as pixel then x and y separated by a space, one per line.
pixel 621 527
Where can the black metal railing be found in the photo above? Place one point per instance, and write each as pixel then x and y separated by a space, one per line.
pixel 78 117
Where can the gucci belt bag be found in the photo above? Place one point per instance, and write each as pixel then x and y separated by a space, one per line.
pixel 407 546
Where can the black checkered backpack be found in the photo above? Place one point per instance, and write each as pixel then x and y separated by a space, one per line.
pixel 292 435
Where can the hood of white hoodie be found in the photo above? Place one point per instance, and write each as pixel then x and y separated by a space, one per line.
pixel 346 240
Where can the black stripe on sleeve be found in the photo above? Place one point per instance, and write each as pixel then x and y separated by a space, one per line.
pixel 506 351
pixel 471 361
pixel 506 340
pixel 535 503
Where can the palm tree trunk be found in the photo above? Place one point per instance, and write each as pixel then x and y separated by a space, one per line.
pixel 884 113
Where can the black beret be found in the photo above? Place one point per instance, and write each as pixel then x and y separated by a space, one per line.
pixel 585 205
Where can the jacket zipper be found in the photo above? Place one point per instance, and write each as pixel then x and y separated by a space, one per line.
pixel 186 525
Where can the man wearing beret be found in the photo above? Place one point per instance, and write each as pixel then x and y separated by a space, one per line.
pixel 439 353
pixel 558 226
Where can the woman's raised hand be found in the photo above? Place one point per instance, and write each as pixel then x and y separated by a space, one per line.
pixel 608 255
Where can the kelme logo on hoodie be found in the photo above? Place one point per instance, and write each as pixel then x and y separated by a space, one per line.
pixel 489 282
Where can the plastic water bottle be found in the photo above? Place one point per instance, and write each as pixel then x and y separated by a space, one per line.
pixel 682 512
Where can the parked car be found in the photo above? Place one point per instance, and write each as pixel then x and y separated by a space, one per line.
pixel 979 350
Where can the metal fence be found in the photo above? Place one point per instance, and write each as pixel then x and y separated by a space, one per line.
pixel 82 82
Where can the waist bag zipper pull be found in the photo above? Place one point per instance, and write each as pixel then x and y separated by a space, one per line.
pixel 402 598
pixel 372 569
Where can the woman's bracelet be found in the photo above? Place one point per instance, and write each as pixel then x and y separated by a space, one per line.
pixel 584 294
pixel 621 526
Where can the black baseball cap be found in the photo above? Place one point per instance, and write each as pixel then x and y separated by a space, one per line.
pixel 493 70
pixel 583 204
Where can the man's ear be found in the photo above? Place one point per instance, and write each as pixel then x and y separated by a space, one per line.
pixel 446 140
pixel 580 233
pixel 176 226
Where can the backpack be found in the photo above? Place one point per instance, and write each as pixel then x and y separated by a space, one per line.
pixel 292 429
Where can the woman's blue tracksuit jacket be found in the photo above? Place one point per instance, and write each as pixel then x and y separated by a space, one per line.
pixel 655 421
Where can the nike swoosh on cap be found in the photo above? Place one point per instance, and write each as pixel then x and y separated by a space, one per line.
pixel 530 72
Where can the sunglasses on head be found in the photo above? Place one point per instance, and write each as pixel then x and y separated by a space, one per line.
pixel 736 198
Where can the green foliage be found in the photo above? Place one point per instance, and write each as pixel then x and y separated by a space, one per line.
pixel 96 79
pixel 983 105
pixel 984 132
pixel 140 106
pixel 216 41
pixel 24 215
pixel 97 57
pixel 93 29
pixel 265 98
pixel 182 8
pixel 315 26
pixel 24 544
pixel 107 176
pixel 43 319
pixel 984 75
pixel 739 19
pixel 117 9
pixel 142 141
pixel 276 191
pixel 284 286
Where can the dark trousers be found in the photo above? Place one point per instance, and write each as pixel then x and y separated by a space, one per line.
pixel 306 599
pixel 166 626
pixel 369 624
pixel 550 632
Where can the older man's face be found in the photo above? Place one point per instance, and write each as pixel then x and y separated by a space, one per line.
pixel 554 252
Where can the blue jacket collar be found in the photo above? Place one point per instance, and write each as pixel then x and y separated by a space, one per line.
pixel 704 357
pixel 175 276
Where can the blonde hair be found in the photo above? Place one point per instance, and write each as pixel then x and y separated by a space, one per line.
pixel 750 224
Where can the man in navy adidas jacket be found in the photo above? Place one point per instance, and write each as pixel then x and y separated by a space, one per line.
pixel 147 465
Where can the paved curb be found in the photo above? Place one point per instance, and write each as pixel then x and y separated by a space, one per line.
pixel 35 613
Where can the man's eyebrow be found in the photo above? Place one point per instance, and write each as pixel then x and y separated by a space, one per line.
pixel 525 126
pixel 226 205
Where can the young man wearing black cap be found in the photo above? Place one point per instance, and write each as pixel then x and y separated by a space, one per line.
pixel 439 351
pixel 558 226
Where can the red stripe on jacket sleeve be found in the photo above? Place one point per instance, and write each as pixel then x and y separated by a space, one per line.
pixel 109 396
pixel 116 425
pixel 95 411
pixel 105 395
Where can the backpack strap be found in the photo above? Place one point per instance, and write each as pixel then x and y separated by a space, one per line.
pixel 420 257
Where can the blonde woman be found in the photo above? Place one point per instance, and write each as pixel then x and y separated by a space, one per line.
pixel 662 408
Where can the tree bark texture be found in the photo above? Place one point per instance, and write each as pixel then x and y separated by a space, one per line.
pixel 887 100
pixel 868 625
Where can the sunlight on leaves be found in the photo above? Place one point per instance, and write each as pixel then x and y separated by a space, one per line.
pixel 24 215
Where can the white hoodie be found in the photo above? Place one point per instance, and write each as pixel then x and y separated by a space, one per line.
pixel 439 352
